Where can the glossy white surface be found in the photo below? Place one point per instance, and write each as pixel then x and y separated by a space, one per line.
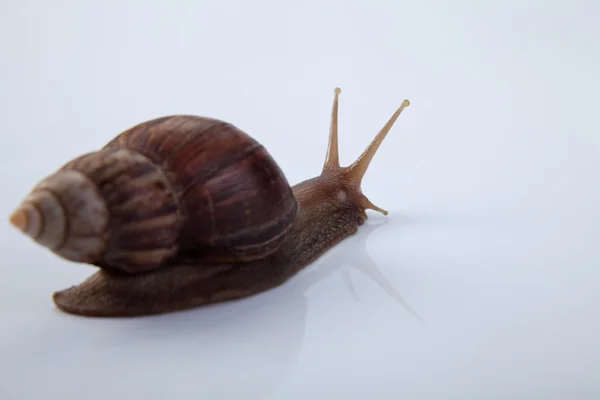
pixel 482 283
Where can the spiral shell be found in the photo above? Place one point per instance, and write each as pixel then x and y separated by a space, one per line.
pixel 173 186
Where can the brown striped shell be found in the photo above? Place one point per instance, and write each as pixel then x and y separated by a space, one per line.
pixel 179 185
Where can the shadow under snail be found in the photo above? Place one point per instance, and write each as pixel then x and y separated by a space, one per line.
pixel 183 211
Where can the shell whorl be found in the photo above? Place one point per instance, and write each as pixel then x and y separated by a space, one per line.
pixel 110 208
pixel 144 216
pixel 235 202
pixel 66 213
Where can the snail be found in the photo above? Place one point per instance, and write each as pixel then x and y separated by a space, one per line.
pixel 183 211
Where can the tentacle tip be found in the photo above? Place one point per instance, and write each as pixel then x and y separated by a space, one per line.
pixel 380 210
pixel 406 103
pixel 337 90
pixel 368 205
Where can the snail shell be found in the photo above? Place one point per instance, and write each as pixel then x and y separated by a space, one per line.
pixel 172 186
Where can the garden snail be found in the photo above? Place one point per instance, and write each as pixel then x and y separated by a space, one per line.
pixel 183 211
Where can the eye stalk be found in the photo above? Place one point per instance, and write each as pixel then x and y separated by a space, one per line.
pixel 354 173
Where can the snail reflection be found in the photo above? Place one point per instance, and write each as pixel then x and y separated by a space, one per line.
pixel 255 343
pixel 358 259
pixel 355 257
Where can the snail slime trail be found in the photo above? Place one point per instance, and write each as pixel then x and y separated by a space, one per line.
pixel 183 211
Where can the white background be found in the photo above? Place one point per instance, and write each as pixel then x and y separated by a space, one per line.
pixel 491 177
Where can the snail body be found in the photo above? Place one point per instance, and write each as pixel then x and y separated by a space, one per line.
pixel 182 211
